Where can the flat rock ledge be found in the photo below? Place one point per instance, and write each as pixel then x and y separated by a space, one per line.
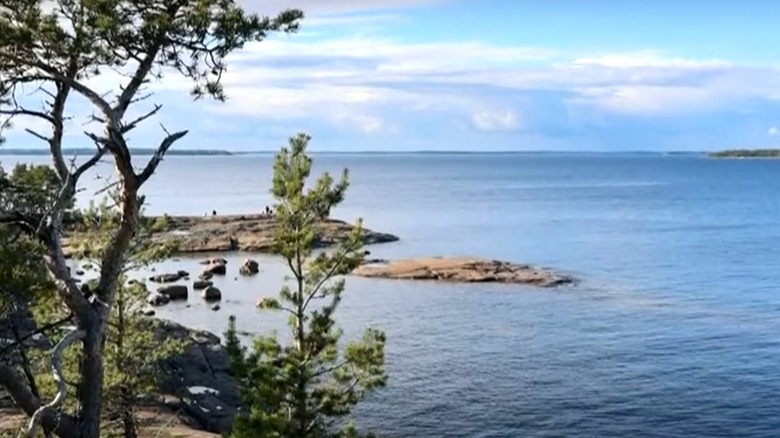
pixel 250 233
pixel 462 270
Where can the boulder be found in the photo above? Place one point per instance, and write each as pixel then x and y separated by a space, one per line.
pixel 199 381
pixel 211 293
pixel 165 278
pixel 249 267
pixel 206 275
pixel 182 274
pixel 158 299
pixel 215 307
pixel 217 269
pixel 79 272
pixel 218 261
pixel 175 291
pixel 201 284
pixel 149 312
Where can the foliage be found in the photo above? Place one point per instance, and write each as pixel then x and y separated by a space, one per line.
pixel 308 388
pixel 161 223
pixel 31 189
pixel 53 49
pixel 94 235
pixel 23 276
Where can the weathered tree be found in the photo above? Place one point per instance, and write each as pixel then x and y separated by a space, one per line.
pixel 306 389
pixel 56 47
pixel 132 351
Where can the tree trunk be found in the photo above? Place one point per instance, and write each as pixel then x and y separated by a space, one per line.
pixel 91 385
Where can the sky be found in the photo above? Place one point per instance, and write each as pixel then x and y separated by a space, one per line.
pixel 489 75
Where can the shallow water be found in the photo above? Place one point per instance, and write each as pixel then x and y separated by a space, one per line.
pixel 673 332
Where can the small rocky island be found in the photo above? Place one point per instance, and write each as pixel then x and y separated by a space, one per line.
pixel 463 270
pixel 250 233
pixel 747 153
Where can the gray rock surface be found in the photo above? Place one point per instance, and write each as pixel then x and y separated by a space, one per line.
pixel 200 379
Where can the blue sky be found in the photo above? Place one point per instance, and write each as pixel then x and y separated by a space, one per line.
pixel 604 75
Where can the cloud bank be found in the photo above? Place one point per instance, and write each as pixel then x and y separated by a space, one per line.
pixel 379 91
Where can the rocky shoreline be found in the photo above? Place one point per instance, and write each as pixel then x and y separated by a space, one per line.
pixel 198 383
pixel 249 233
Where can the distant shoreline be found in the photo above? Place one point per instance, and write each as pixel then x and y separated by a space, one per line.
pixel 137 152
pixel 747 153
pixel 238 153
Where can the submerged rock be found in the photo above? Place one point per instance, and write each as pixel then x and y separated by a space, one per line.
pixel 249 267
pixel 175 291
pixel 201 284
pixel 158 299
pixel 166 278
pixel 211 293
pixel 218 269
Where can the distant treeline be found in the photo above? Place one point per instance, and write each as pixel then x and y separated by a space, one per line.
pixel 747 153
pixel 90 151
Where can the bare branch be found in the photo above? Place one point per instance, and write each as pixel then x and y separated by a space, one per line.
pixel 25 112
pixel 132 125
pixel 158 156
pixel 62 388
pixel 39 136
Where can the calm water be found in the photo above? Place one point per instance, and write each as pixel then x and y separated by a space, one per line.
pixel 675 330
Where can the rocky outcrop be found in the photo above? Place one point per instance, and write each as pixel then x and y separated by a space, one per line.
pixel 462 269
pixel 249 267
pixel 252 233
pixel 199 381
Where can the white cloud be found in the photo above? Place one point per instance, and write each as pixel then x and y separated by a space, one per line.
pixel 373 85
pixel 773 131
pixel 647 59
pixel 328 7
pixel 646 99
pixel 491 120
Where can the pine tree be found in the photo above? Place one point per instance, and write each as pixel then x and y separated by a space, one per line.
pixel 54 49
pixel 308 388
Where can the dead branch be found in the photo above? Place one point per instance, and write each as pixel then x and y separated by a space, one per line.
pixel 151 166
pixel 62 388
pixel 62 424
pixel 132 125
